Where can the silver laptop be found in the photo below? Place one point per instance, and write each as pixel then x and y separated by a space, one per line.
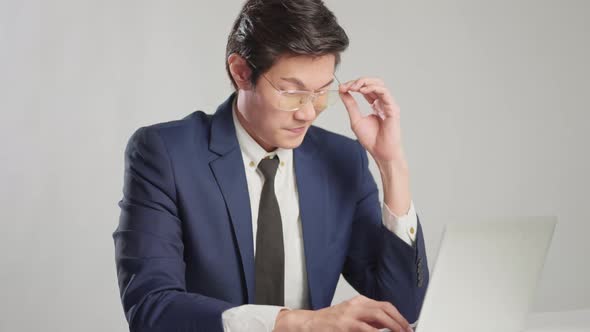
pixel 485 275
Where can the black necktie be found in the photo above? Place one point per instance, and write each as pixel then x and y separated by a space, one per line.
pixel 270 256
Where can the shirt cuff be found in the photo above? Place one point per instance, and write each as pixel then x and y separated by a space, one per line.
pixel 250 317
pixel 405 227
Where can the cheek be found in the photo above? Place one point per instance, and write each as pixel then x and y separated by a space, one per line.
pixel 273 122
pixel 264 122
pixel 269 119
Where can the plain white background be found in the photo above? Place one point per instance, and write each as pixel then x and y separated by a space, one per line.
pixel 494 108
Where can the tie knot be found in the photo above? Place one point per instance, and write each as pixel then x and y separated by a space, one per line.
pixel 268 167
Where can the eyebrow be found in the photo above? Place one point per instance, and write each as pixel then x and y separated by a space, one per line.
pixel 300 84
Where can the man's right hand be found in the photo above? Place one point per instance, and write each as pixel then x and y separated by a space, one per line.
pixel 360 314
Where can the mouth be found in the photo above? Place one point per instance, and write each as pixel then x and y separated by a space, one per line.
pixel 297 131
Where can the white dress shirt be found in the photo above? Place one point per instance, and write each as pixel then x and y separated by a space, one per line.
pixel 253 317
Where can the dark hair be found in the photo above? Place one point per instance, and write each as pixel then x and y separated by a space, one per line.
pixel 267 29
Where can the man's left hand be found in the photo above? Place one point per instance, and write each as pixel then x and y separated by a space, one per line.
pixel 379 133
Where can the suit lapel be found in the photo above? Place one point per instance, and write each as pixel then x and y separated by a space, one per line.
pixel 230 175
pixel 311 186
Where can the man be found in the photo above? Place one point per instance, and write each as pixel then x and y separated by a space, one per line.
pixel 243 220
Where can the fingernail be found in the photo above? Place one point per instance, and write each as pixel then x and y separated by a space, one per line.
pixel 410 329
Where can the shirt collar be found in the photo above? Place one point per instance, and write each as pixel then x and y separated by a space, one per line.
pixel 252 152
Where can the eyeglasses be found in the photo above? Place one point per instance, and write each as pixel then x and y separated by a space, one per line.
pixel 293 100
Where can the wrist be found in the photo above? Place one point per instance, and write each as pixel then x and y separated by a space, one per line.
pixel 394 176
pixel 395 159
pixel 388 168
pixel 291 320
pixel 396 186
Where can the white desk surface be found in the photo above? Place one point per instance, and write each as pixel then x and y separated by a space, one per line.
pixel 568 321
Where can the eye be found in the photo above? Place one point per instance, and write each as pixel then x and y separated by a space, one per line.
pixel 292 91
pixel 295 94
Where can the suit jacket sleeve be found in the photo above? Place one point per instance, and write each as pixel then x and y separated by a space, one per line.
pixel 149 246
pixel 379 264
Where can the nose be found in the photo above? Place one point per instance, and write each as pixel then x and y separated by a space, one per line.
pixel 306 112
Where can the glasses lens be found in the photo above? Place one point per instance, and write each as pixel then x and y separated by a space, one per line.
pixel 325 99
pixel 292 101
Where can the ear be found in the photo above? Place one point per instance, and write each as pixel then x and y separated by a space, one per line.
pixel 240 71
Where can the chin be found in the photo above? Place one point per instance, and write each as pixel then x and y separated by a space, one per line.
pixel 291 143
pixel 291 146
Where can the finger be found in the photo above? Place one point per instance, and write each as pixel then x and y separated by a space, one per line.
pixel 392 311
pixel 374 92
pixel 359 82
pixel 346 85
pixel 381 101
pixel 352 107
pixel 377 317
pixel 369 96
pixel 379 91
pixel 349 83
pixel 363 327
pixel 363 81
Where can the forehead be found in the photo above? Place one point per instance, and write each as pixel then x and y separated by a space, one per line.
pixel 313 72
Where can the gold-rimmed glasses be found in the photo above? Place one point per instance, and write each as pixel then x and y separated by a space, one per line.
pixel 293 100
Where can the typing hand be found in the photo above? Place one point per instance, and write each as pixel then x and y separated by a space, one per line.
pixel 357 314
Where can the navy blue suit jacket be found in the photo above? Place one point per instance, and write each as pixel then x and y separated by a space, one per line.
pixel 184 244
